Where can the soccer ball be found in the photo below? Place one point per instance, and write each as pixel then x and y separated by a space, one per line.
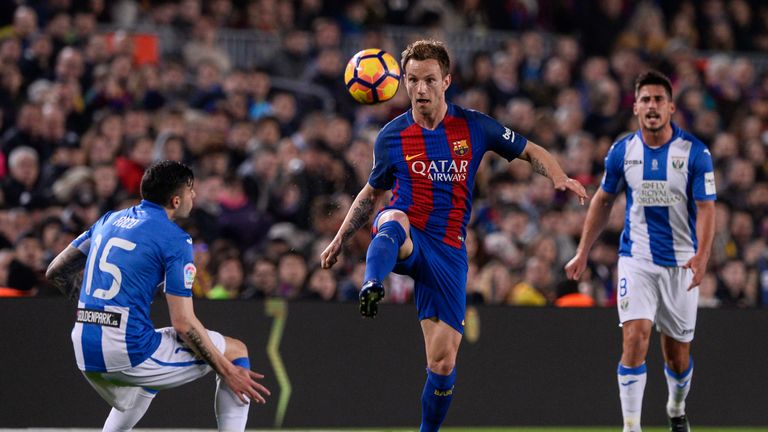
pixel 372 76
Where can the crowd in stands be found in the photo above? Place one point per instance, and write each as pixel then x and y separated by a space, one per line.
pixel 84 110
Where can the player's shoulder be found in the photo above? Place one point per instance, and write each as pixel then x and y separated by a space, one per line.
pixel 621 142
pixel 397 124
pixel 697 145
pixel 169 230
pixel 156 223
pixel 470 114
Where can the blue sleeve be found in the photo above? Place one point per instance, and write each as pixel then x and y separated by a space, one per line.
pixel 501 139
pixel 180 267
pixel 702 174
pixel 613 179
pixel 382 173
pixel 83 241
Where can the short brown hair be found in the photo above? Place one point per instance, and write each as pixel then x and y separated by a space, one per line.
pixel 653 77
pixel 426 49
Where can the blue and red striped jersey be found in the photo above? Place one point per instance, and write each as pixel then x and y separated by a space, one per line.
pixel 432 172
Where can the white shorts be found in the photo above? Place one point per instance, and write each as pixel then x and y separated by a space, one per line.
pixel 171 365
pixel 659 294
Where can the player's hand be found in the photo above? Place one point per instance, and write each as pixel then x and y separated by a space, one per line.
pixel 330 255
pixel 576 266
pixel 575 186
pixel 698 265
pixel 243 383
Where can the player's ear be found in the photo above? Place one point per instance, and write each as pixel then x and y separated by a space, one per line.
pixel 175 202
pixel 447 81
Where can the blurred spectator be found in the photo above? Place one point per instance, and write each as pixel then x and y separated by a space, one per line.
pixel 291 273
pixel 321 285
pixel 203 278
pixel 130 168
pixel 573 294
pixel 228 278
pixel 22 186
pixel 536 287
pixel 239 220
pixel 734 287
pixel 262 280
pixel 25 271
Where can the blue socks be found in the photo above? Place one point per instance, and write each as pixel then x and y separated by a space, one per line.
pixel 435 400
pixel 678 385
pixel 382 252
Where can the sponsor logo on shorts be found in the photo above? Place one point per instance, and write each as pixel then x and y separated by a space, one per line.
pixel 103 318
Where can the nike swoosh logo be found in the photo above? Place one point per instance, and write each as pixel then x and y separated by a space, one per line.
pixel 682 385
pixel 628 383
pixel 407 158
pixel 189 241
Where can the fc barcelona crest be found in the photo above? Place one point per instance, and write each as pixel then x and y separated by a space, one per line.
pixel 460 147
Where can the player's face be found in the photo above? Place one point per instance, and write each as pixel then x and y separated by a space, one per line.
pixel 426 85
pixel 653 107
pixel 186 202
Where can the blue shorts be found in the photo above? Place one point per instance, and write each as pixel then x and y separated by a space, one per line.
pixel 440 275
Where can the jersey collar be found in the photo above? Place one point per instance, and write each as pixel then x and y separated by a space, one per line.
pixel 448 113
pixel 675 133
pixel 150 206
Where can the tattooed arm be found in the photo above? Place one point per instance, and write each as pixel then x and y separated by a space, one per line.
pixel 66 272
pixel 192 332
pixel 358 215
pixel 545 164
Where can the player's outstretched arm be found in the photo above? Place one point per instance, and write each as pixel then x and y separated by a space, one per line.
pixel 705 234
pixel 597 218
pixel 65 272
pixel 358 215
pixel 545 164
pixel 241 381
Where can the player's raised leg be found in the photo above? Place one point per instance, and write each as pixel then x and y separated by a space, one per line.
pixel 442 345
pixel 632 371
pixel 678 368
pixel 391 242
pixel 231 412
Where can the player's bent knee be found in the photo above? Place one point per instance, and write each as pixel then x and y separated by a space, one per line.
pixel 397 216
pixel 442 367
pixel 234 349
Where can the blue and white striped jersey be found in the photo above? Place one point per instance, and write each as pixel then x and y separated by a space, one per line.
pixel 662 186
pixel 130 253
